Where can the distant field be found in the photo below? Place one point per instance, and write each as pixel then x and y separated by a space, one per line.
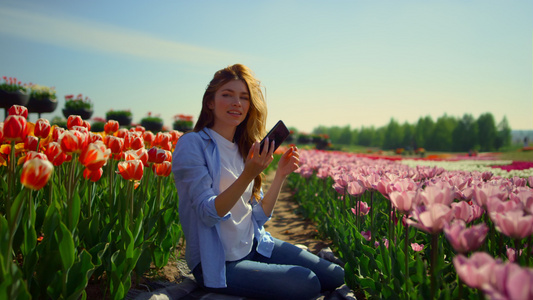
pixel 517 155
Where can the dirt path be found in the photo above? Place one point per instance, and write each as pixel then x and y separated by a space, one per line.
pixel 289 226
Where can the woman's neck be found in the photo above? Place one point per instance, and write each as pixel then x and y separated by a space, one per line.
pixel 227 132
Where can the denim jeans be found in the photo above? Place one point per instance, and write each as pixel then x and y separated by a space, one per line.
pixel 290 273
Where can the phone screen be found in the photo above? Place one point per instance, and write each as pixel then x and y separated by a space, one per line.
pixel 278 133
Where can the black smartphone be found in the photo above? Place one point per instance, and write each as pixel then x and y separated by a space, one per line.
pixel 278 134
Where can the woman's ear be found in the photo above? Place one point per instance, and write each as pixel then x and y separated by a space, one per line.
pixel 211 104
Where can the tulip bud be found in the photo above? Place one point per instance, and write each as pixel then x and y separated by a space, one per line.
pixel 18 110
pixel 94 156
pixel 31 143
pixel 57 132
pixel 36 173
pixel 15 128
pixel 42 128
pixel 163 169
pixel 111 126
pixel 148 138
pixel 74 120
pixel 93 175
pixel 93 137
pixel 35 154
pixel 133 141
pixel 115 144
pixel 87 125
pixel 73 141
pixel 131 169
pixel 54 154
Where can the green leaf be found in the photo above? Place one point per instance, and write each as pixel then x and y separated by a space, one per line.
pixel 67 250
pixel 79 275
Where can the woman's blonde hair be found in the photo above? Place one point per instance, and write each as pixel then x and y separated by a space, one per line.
pixel 253 127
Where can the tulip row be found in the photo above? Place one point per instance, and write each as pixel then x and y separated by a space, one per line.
pixel 80 206
pixel 421 232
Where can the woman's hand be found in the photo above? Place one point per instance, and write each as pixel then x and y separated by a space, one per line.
pixel 288 162
pixel 257 162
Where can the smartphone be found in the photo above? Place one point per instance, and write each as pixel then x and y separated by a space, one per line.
pixel 278 134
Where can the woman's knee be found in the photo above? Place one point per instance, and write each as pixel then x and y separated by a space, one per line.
pixel 303 283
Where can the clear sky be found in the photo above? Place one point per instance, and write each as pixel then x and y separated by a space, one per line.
pixel 357 63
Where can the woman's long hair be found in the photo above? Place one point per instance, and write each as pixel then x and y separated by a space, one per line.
pixel 253 127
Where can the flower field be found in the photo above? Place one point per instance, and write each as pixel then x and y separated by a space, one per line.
pixel 80 206
pixel 415 229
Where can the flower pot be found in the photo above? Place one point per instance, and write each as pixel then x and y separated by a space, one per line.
pixel 42 105
pixel 182 128
pixel 83 113
pixel 8 99
pixel 152 126
pixel 121 119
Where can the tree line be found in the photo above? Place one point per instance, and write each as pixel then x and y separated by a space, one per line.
pixel 447 133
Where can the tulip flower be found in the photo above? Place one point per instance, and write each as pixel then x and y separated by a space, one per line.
pixel 362 207
pixel 355 188
pixel 483 193
pixel 115 144
pixel 73 141
pixel 140 154
pixel 36 173
pixel 94 156
pixel 440 192
pixel 87 125
pixel 31 143
pixel 133 141
pixel 18 110
pixel 42 128
pixel 431 218
pixel 57 132
pixel 162 140
pixel 462 210
pixel 35 154
pixel 54 154
pixel 131 169
pixel 367 235
pixel 514 223
pixel 111 127
pixel 175 135
pixel 524 196
pixel 156 155
pixel 15 128
pixel 476 270
pixel 74 120
pixel 121 133
pixel 509 281
pixel 163 169
pixel 93 175
pixel 1 132
pixel 417 247
pixel 148 138
pixel 464 240
pixel 404 201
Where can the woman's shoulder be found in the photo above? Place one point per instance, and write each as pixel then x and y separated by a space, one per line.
pixel 190 139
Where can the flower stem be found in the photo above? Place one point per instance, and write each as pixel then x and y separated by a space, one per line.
pixel 405 250
pixel 434 253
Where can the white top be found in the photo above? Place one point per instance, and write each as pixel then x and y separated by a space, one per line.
pixel 237 232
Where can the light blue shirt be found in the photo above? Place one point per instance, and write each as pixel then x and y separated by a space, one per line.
pixel 196 168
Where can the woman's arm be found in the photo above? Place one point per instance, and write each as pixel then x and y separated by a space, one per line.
pixel 287 164
pixel 254 165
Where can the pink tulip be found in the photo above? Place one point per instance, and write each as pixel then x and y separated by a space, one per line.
pixel 355 188
pixel 530 181
pixel 462 210
pixel 509 281
pixel 440 192
pixel 483 193
pixel 417 247
pixel 367 235
pixel 511 253
pixel 462 239
pixel 474 271
pixel 362 207
pixel 404 201
pixel 514 223
pixel 431 218
pixel 525 196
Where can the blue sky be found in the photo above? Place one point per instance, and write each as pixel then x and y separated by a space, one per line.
pixel 357 63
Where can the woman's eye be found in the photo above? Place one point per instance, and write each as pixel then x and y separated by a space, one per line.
pixel 245 98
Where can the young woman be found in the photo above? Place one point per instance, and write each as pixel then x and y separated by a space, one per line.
pixel 217 169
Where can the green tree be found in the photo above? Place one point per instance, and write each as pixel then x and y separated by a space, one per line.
pixel 441 139
pixel 366 136
pixel 345 135
pixel 486 132
pixel 423 131
pixel 408 135
pixel 393 135
pixel 465 134
pixel 503 138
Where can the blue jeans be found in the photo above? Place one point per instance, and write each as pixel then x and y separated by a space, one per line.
pixel 290 273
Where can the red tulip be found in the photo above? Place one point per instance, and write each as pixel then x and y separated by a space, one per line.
pixel 111 126
pixel 57 132
pixel 138 128
pixel 31 143
pixel 35 154
pixel 93 137
pixel 148 138
pixel 18 110
pixel 55 154
pixel 42 128
pixel 162 139
pixel 131 169
pixel 121 133
pixel 73 141
pixel 74 120
pixel 1 132
pixel 175 135
pixel 93 175
pixel 133 141
pixel 163 169
pixel 36 173
pixel 95 156
pixel 15 128
pixel 114 143
pixel 87 125
pixel 156 155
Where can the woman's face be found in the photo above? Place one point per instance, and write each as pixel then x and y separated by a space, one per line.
pixel 230 105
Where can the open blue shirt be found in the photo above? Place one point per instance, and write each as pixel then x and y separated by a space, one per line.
pixel 196 168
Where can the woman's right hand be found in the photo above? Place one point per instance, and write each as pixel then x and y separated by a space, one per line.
pixel 257 162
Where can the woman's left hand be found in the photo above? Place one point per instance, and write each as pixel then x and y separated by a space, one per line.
pixel 288 162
